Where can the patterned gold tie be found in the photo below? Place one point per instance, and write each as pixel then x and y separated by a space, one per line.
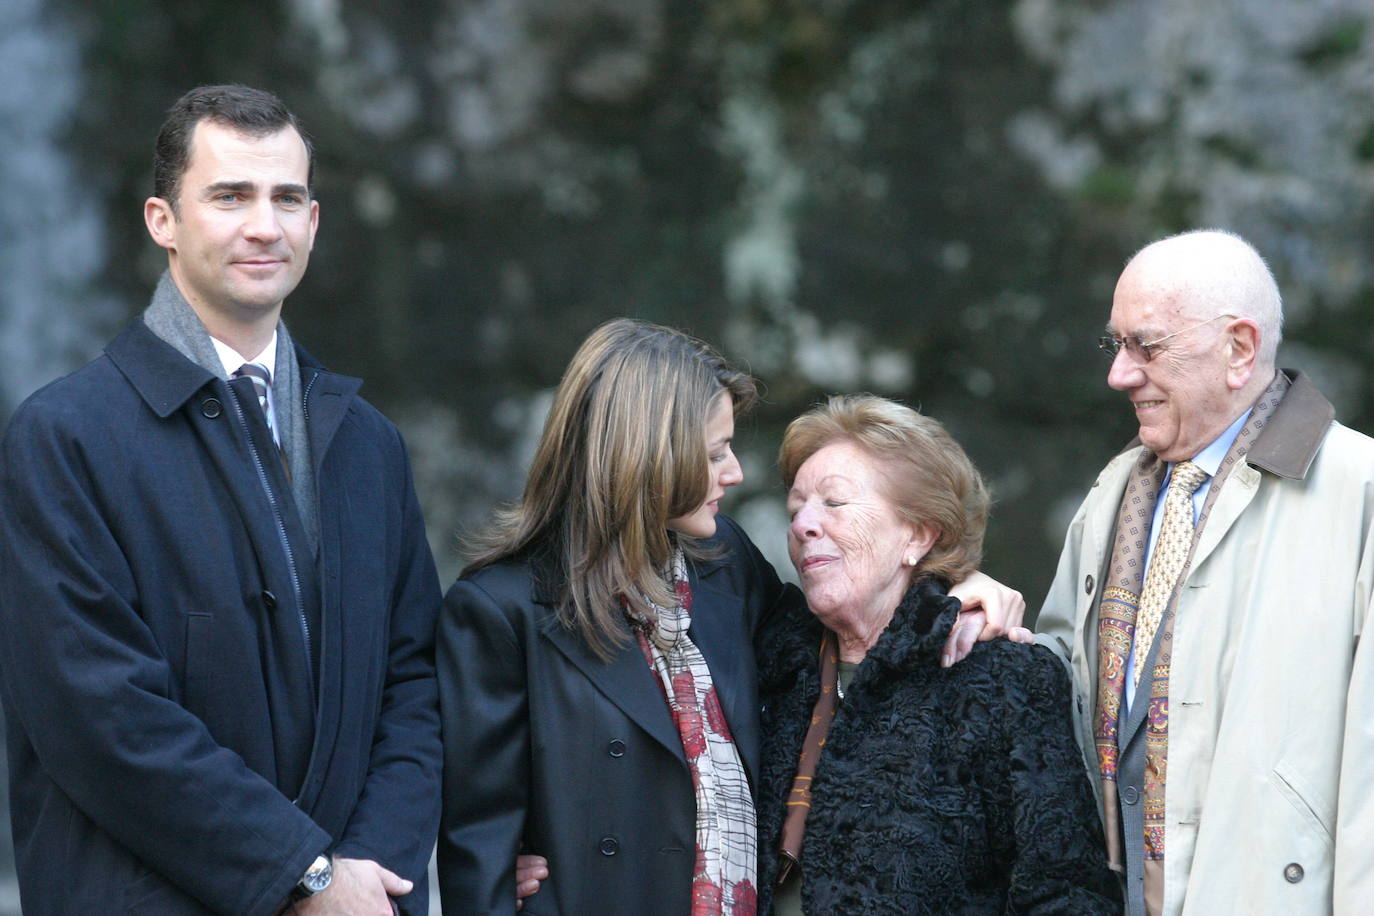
pixel 1167 561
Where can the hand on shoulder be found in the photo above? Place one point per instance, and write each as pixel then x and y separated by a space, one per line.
pixel 991 610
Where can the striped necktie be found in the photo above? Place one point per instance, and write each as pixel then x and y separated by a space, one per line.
pixel 262 381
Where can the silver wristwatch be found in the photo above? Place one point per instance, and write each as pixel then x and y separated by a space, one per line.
pixel 315 879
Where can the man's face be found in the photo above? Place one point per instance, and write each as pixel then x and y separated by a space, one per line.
pixel 1181 397
pixel 241 236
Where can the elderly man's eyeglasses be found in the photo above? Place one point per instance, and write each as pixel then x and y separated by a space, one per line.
pixel 1145 350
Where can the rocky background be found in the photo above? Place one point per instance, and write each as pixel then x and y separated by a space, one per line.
pixel 929 200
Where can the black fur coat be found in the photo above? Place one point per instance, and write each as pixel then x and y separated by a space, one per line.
pixel 955 790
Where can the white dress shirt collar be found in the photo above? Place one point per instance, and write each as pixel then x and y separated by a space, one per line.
pixel 232 359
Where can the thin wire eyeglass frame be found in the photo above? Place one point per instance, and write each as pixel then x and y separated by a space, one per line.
pixel 1111 344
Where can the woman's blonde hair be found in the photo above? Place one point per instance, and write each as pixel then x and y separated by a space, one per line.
pixel 928 478
pixel 623 451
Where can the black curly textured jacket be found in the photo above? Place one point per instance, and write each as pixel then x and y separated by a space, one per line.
pixel 955 790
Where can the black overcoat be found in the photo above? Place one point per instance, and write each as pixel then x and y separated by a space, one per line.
pixel 939 791
pixel 153 653
pixel 578 759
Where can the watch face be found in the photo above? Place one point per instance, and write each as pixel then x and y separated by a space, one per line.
pixel 318 876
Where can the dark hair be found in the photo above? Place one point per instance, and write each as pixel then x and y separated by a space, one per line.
pixel 249 111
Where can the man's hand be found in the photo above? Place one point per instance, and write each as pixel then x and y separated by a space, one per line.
pixel 990 610
pixel 360 887
pixel 529 871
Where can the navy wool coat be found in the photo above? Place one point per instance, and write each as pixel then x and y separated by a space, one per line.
pixel 153 661
pixel 548 747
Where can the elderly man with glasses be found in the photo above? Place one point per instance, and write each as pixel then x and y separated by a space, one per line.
pixel 1210 600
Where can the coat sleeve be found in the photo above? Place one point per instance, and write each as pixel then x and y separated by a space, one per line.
pixel 397 813
pixel 1058 857
pixel 1354 861
pixel 483 699
pixel 86 684
pixel 1054 626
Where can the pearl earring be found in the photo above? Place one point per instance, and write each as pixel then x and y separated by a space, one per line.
pixel 910 561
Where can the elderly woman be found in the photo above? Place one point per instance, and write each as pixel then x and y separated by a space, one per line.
pixel 890 783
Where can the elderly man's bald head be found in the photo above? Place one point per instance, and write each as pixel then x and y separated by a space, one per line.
pixel 1210 272
pixel 1202 316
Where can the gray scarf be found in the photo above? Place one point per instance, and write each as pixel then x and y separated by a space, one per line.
pixel 172 319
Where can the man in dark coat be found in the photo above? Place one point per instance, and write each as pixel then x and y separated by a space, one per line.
pixel 218 603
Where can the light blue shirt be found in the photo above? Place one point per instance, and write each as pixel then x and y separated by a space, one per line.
pixel 1209 460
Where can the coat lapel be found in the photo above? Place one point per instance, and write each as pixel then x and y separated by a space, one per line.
pixel 1236 493
pixel 327 396
pixel 716 630
pixel 626 681
pixel 169 382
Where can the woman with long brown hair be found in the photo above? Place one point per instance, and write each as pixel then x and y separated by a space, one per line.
pixel 597 678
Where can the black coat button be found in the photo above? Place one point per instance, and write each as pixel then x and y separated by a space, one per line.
pixel 269 601
pixel 1088 585
pixel 211 407
pixel 1292 873
pixel 616 748
pixel 1130 795
pixel 609 846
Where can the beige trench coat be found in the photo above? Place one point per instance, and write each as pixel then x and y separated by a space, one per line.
pixel 1271 706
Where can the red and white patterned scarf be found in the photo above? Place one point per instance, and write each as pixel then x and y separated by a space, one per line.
pixel 723 877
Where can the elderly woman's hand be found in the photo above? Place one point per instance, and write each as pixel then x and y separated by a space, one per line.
pixel 991 610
